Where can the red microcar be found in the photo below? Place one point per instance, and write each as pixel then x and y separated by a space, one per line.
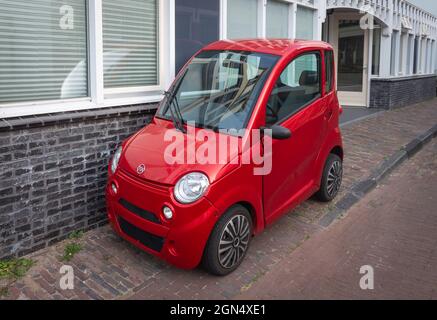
pixel 248 130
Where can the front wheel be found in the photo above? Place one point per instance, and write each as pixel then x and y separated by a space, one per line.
pixel 331 179
pixel 229 242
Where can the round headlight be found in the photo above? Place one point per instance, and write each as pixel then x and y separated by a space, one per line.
pixel 191 187
pixel 116 159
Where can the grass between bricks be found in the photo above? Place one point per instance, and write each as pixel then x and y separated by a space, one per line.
pixel 11 271
pixel 73 247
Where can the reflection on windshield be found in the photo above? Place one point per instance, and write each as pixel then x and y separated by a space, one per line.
pixel 220 88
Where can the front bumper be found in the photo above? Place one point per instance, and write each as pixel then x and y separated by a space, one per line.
pixel 135 212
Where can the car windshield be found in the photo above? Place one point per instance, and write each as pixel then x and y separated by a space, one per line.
pixel 219 89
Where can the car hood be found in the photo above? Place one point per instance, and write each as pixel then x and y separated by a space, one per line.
pixel 148 149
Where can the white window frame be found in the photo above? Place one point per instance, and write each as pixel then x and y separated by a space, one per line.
pixel 99 97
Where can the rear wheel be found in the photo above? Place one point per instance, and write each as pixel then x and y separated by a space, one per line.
pixel 229 242
pixel 331 179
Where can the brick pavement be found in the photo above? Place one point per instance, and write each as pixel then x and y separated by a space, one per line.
pixel 110 268
pixel 394 230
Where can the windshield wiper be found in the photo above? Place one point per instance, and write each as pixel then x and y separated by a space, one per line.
pixel 173 105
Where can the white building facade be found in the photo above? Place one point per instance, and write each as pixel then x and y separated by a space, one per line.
pixel 65 55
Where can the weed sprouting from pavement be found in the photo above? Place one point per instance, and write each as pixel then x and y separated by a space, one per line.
pixel 15 268
pixel 11 271
pixel 71 250
pixel 73 247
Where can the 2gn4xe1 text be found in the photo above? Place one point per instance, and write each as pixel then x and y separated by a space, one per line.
pixel 246 309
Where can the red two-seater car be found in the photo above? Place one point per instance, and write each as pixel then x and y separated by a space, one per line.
pixel 187 210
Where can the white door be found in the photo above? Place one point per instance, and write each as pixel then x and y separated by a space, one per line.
pixel 350 43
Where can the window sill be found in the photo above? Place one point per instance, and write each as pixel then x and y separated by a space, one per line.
pixel 25 117
pixel 62 106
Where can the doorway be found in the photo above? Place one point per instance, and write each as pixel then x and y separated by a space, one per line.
pixel 351 46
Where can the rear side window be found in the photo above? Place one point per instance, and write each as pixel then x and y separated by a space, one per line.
pixel 298 85
pixel 329 71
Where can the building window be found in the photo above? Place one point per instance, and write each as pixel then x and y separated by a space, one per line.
pixel 44 50
pixel 197 24
pixel 425 56
pixel 130 43
pixel 242 19
pixel 416 55
pixel 277 19
pixel 401 65
pixel 433 56
pixel 304 23
pixel 410 40
pixel 394 49
pixel 428 56
pixel 376 50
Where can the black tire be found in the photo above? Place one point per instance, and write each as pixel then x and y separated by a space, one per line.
pixel 333 170
pixel 214 261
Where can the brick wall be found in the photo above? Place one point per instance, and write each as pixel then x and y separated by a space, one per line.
pixel 53 171
pixel 395 93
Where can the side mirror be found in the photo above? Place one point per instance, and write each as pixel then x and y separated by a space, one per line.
pixel 279 133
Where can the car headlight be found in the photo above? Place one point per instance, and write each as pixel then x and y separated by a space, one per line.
pixel 191 187
pixel 116 159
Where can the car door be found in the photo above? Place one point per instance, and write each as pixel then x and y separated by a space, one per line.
pixel 295 103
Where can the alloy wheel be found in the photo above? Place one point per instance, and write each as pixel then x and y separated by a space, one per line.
pixel 335 177
pixel 234 241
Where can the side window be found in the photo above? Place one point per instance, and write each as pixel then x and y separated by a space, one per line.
pixel 329 71
pixel 298 85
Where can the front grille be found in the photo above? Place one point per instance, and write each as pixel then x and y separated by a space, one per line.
pixel 147 239
pixel 140 212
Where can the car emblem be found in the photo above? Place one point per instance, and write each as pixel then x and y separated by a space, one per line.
pixel 141 169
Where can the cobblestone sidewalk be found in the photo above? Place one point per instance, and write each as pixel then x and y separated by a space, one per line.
pixel 109 268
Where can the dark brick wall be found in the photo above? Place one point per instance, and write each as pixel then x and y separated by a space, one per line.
pixel 53 171
pixel 396 93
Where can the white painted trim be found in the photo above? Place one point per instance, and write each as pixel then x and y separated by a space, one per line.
pixel 223 19
pixel 369 65
pixel 140 99
pixel 95 46
pixel 397 52
pixel 292 9
pixel 167 22
pixel 133 89
pixel 44 107
pixel 262 18
pixel 351 98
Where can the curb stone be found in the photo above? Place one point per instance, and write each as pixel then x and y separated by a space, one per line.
pixel 363 187
pixel 413 147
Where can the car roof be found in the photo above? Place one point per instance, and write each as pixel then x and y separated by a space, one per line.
pixel 281 47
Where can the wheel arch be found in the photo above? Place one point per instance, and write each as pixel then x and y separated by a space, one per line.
pixel 337 150
pixel 251 210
